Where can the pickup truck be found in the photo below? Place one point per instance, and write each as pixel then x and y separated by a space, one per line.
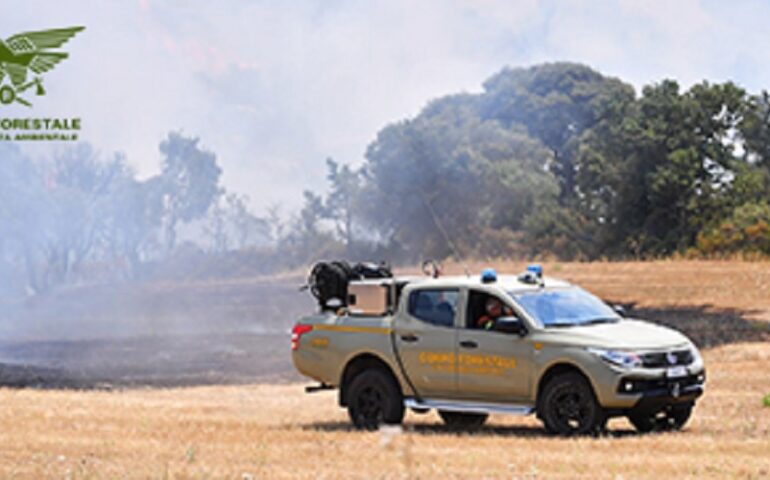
pixel 471 346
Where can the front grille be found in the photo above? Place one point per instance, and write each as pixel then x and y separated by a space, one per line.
pixel 667 359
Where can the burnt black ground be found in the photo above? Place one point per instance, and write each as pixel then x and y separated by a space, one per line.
pixel 152 335
pixel 706 326
pixel 150 361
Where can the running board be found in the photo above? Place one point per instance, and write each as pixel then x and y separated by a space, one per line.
pixel 469 407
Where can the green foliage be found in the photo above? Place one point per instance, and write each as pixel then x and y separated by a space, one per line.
pixel 559 159
pixel 436 182
pixel 755 128
pixel 746 230
pixel 656 172
pixel 556 103
pixel 766 401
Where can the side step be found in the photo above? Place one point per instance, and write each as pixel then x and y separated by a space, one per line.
pixel 469 407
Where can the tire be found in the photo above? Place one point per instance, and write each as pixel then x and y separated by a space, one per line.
pixel 568 407
pixel 374 398
pixel 463 420
pixel 671 418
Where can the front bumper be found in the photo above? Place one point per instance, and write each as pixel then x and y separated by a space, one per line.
pixel 622 390
pixel 654 394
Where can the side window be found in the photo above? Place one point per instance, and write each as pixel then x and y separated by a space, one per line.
pixel 437 307
pixel 484 308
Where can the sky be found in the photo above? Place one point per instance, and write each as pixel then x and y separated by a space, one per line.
pixel 276 87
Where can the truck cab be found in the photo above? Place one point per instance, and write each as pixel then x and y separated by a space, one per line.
pixel 470 346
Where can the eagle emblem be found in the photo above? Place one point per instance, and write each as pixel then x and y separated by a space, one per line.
pixel 33 52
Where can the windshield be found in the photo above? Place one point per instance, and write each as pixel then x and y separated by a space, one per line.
pixel 565 307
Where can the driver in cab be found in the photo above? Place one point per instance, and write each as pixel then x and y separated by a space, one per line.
pixel 493 309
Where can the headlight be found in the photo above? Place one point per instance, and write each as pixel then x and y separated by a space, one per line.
pixel 618 358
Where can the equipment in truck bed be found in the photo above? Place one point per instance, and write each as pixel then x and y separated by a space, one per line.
pixel 329 281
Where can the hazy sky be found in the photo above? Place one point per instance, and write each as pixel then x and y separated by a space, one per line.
pixel 276 87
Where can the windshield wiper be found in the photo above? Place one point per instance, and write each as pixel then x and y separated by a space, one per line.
pixel 595 321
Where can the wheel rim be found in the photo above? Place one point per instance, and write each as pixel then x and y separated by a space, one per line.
pixel 369 406
pixel 573 410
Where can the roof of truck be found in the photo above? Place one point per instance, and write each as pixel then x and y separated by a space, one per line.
pixel 505 282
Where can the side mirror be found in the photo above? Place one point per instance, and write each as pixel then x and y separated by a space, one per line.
pixel 620 310
pixel 510 325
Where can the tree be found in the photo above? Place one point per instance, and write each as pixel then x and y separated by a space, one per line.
pixel 418 191
pixel 249 229
pixel 134 216
pixel 79 185
pixel 190 177
pixel 341 202
pixel 58 213
pixel 22 217
pixel 436 183
pixel 653 173
pixel 556 102
pixel 216 226
pixel 313 211
pixel 231 225
pixel 755 129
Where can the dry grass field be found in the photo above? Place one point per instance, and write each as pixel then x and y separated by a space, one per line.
pixel 277 431
pixel 266 431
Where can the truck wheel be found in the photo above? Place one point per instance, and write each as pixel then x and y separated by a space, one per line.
pixel 568 406
pixel 463 420
pixel 670 418
pixel 374 399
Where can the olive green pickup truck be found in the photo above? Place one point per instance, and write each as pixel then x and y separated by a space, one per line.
pixel 471 346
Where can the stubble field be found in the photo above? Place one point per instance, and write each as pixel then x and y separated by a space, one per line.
pixel 253 429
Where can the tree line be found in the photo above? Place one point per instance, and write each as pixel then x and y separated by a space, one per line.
pixel 558 159
pixel 552 160
pixel 79 216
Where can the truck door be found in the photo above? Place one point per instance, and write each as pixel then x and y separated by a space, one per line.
pixel 426 339
pixel 491 366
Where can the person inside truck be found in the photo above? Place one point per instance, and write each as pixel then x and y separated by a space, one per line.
pixel 493 309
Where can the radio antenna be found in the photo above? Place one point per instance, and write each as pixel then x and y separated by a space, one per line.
pixel 443 231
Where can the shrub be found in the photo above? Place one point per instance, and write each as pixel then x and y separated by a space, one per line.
pixel 746 230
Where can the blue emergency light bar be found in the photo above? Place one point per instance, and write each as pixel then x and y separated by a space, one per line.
pixel 535 268
pixel 488 275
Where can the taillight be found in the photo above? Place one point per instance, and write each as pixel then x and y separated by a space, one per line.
pixel 297 332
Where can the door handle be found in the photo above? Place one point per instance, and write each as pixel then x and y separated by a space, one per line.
pixel 468 344
pixel 409 337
